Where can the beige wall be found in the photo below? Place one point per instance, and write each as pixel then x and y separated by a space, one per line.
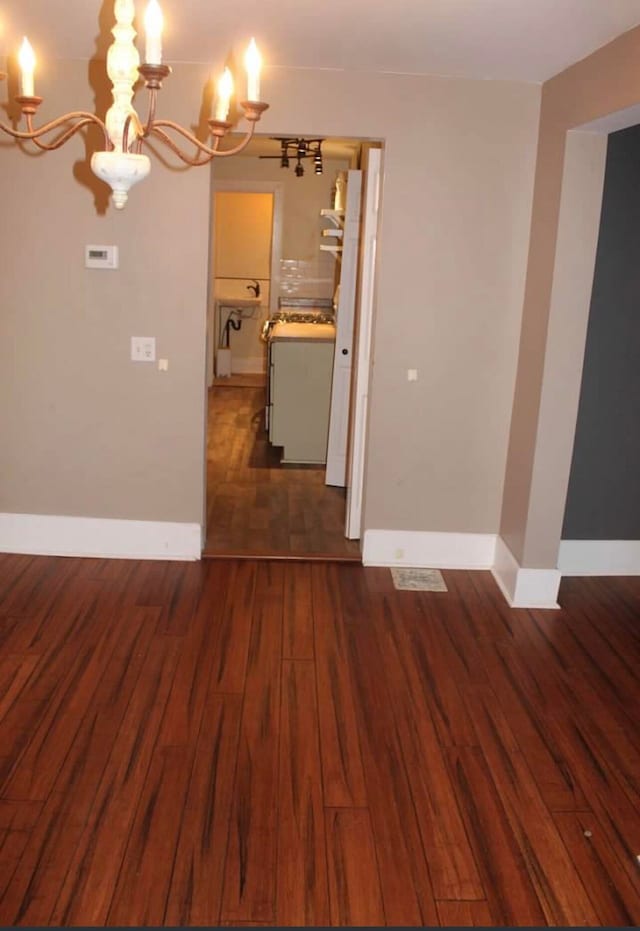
pixel 84 430
pixel 601 84
pixel 87 432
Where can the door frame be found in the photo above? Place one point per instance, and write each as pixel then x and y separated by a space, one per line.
pixel 277 188
pixel 244 187
pixel 365 308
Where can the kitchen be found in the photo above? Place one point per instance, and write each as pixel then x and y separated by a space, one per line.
pixel 271 348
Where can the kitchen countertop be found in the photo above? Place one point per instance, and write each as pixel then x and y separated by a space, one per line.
pixel 311 331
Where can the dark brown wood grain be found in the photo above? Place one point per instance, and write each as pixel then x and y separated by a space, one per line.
pixel 233 630
pixel 508 884
pixel 558 885
pixel 465 914
pixel 95 865
pixel 302 887
pixel 297 635
pixel 614 893
pixel 196 885
pixel 269 743
pixel 404 873
pixel 356 898
pixel 255 505
pixel 141 892
pixel 339 742
pixel 451 863
pixel 250 875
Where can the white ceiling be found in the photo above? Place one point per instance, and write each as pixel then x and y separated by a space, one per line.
pixel 525 40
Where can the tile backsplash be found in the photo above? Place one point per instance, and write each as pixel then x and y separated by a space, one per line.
pixel 300 278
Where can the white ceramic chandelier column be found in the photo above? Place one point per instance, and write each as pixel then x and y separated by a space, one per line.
pixel 120 169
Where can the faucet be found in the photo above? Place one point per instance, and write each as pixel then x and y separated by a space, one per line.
pixel 255 287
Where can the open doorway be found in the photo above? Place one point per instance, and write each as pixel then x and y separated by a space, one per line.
pixel 601 526
pixel 261 499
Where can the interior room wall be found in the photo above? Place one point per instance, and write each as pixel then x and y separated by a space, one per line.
pixel 603 500
pixel 601 84
pixel 87 432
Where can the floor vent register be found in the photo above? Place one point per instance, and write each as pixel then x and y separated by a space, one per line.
pixel 418 580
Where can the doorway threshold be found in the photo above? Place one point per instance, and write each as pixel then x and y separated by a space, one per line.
pixel 263 555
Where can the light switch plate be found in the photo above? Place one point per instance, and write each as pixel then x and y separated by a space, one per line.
pixel 143 349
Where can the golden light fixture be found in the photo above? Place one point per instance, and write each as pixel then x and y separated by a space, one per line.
pixel 121 163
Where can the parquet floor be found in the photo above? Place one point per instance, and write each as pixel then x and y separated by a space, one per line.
pixel 255 505
pixel 236 741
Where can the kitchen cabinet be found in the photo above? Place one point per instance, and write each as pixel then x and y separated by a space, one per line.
pixel 300 371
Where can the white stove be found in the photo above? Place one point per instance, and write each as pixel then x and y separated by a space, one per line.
pixel 301 339
pixel 309 310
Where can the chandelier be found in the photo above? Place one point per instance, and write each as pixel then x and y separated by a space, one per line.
pixel 298 149
pixel 121 163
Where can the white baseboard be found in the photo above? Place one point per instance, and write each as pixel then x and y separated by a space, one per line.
pixel 524 588
pixel 53 535
pixel 254 365
pixel 599 557
pixel 428 550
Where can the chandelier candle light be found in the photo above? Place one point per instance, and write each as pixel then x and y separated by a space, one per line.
pixel 121 164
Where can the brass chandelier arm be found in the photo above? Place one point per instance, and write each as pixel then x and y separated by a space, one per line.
pixel 159 133
pixel 209 152
pixel 63 137
pixel 82 117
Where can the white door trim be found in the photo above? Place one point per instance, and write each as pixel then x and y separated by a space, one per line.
pixel 372 177
pixel 341 383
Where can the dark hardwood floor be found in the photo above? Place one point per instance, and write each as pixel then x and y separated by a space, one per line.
pixel 255 505
pixel 235 741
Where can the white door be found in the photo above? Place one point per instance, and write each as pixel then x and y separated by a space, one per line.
pixel 341 384
pixel 363 345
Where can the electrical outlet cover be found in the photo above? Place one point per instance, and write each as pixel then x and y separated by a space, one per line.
pixel 143 349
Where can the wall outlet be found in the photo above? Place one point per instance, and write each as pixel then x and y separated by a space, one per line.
pixel 398 554
pixel 143 349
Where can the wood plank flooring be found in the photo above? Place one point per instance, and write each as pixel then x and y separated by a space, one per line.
pixel 256 506
pixel 264 742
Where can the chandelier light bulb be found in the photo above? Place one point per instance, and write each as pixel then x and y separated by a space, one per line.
pixel 225 90
pixel 153 23
pixel 27 62
pixel 253 63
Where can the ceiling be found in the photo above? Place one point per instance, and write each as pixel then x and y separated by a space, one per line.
pixel 524 40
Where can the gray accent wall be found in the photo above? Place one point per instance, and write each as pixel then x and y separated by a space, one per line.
pixel 603 501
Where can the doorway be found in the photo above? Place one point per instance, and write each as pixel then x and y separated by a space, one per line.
pixel 243 236
pixel 256 504
pixel 245 255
